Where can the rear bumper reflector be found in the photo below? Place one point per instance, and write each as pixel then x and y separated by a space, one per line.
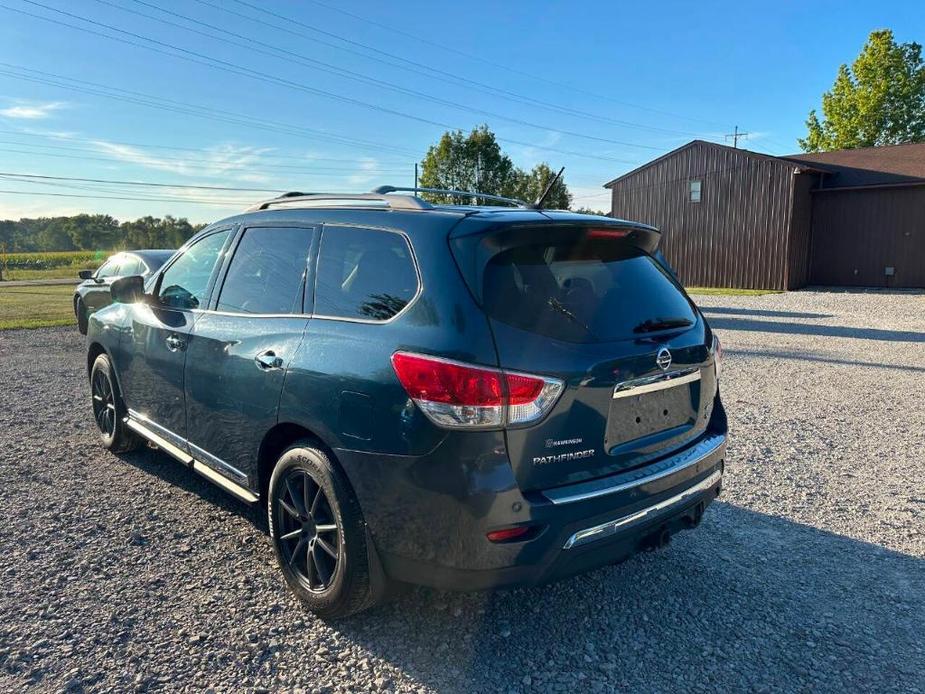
pixel 609 528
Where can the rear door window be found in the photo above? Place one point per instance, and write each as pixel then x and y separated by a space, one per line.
pixel 583 290
pixel 267 272
pixel 364 274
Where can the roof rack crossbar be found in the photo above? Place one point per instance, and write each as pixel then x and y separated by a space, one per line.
pixel 397 202
pixel 442 191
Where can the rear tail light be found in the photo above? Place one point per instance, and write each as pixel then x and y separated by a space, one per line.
pixel 454 394
pixel 717 354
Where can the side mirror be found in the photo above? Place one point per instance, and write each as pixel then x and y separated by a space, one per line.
pixel 85 274
pixel 128 290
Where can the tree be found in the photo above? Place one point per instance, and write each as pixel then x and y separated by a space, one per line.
pixel 472 162
pixel 92 232
pixel 879 100
pixel 530 186
pixel 476 163
pixel 588 210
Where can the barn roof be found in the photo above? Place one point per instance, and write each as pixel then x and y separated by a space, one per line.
pixel 868 166
pixel 802 166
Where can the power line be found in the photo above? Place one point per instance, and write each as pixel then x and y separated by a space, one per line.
pixel 234 68
pixel 735 135
pixel 255 150
pixel 350 74
pixel 166 162
pixel 137 183
pixel 193 201
pixel 171 105
pixel 481 59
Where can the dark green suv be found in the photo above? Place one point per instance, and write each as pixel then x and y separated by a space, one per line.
pixel 463 397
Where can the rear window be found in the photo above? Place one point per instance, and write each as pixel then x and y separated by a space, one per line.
pixel 364 274
pixel 583 290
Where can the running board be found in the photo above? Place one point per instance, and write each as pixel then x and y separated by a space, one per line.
pixel 220 480
pixel 159 441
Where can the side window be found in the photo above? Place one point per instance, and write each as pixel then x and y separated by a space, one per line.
pixel 185 282
pixel 131 266
pixel 267 271
pixel 108 269
pixel 364 274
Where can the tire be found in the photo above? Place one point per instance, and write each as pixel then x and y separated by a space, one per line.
pixel 305 527
pixel 108 409
pixel 81 310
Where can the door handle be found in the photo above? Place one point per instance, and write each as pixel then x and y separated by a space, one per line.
pixel 174 342
pixel 268 360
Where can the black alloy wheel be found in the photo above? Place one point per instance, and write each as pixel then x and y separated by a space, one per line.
pixel 319 536
pixel 310 538
pixel 108 409
pixel 104 403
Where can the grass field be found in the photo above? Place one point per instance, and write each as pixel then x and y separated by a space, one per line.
pixel 51 265
pixel 36 306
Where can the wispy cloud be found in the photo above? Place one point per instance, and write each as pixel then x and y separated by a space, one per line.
pixel 230 161
pixel 367 171
pixel 32 110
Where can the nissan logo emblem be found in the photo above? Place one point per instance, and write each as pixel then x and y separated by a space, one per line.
pixel 663 359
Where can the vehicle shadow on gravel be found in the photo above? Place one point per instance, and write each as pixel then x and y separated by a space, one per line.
pixel 761 312
pixel 816 358
pixel 755 601
pixel 155 462
pixel 838 331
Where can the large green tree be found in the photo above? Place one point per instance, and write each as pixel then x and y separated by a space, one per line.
pixel 879 100
pixel 472 162
pixel 475 162
pixel 530 185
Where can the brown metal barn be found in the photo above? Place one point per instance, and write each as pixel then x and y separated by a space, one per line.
pixel 734 218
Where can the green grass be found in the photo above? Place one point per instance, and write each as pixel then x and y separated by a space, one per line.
pixel 730 291
pixel 36 306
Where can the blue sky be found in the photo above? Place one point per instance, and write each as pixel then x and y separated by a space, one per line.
pixel 303 96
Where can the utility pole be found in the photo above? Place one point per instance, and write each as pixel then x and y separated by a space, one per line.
pixel 735 137
pixel 415 175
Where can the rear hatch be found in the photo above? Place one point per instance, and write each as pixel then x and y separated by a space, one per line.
pixel 586 302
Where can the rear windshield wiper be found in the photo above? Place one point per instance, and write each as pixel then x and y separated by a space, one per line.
pixel 557 306
pixel 650 325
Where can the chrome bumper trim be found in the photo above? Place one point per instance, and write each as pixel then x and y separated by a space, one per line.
pixel 694 455
pixel 609 528
pixel 650 384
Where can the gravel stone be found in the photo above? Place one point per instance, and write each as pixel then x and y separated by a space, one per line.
pixel 132 573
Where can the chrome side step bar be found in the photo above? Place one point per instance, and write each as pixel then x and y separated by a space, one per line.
pixel 232 487
pixel 609 528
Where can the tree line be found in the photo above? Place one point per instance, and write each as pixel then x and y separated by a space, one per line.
pixel 93 232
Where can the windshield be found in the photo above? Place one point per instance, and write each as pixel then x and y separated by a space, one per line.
pixel 583 290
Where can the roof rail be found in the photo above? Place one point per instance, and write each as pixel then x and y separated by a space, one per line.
pixel 442 191
pixel 396 202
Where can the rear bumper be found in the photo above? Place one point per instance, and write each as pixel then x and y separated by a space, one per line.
pixel 438 538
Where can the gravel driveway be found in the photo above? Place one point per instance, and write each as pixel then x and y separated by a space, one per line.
pixel 809 573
